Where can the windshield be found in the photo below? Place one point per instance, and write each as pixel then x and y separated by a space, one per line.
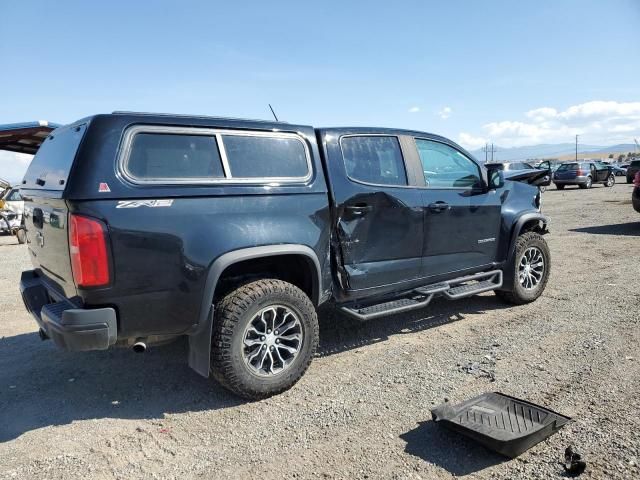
pixel 520 166
pixel 13 196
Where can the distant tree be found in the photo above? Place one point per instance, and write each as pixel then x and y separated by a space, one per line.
pixel 621 157
pixel 611 155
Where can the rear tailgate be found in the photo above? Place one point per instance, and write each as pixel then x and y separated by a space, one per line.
pixel 46 213
pixel 567 172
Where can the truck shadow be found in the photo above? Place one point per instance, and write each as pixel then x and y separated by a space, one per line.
pixel 453 452
pixel 631 229
pixel 42 386
pixel 339 333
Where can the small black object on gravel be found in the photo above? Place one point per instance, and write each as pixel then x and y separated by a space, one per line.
pixel 573 463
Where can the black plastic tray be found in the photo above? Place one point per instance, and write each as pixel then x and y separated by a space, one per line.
pixel 502 423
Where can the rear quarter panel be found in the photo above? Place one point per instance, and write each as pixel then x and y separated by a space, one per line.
pixel 162 255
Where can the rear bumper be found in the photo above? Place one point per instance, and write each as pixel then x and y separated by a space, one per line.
pixel 571 181
pixel 69 326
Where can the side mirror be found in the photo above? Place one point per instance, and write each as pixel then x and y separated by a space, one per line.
pixel 495 177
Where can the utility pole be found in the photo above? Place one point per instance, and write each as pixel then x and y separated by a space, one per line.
pixel 486 149
pixel 577 147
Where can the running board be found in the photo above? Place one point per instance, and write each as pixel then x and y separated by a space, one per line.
pixel 485 282
pixel 422 296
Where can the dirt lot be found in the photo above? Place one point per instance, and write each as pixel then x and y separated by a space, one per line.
pixel 362 409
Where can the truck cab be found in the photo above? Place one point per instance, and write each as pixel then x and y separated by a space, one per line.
pixel 147 227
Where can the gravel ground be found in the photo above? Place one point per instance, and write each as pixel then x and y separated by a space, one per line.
pixel 362 409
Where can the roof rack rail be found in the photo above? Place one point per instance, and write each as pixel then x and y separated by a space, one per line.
pixel 181 115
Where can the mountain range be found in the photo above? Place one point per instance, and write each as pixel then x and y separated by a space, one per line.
pixel 550 151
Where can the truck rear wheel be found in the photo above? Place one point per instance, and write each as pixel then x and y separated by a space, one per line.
pixel 531 270
pixel 265 334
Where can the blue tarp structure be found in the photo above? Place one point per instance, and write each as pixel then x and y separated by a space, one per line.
pixel 25 137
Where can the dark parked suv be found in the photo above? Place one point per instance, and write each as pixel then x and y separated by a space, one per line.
pixel 635 194
pixel 632 169
pixel 144 228
pixel 584 174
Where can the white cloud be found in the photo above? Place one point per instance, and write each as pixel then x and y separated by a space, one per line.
pixel 471 142
pixel 445 113
pixel 414 109
pixel 598 122
pixel 542 114
pixel 13 165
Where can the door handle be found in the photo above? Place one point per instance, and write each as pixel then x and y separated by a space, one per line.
pixel 358 209
pixel 438 207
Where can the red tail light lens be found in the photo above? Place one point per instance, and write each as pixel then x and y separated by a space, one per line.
pixel 581 173
pixel 88 249
pixel 636 179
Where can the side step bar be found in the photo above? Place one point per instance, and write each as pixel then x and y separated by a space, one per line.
pixel 421 297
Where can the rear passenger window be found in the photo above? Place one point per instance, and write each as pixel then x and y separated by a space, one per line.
pixel 374 159
pixel 265 157
pixel 157 156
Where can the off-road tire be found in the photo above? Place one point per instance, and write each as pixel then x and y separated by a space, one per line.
pixel 234 312
pixel 21 235
pixel 518 295
pixel 560 186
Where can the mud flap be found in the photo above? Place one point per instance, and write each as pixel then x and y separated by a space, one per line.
pixel 200 347
pixel 504 424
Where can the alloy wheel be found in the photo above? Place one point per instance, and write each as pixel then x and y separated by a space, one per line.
pixel 531 268
pixel 272 340
pixel 610 181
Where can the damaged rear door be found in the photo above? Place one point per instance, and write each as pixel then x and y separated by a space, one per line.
pixel 378 215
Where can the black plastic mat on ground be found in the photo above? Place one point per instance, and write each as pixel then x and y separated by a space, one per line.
pixel 502 423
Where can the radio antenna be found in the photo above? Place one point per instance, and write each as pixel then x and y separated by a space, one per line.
pixel 274 113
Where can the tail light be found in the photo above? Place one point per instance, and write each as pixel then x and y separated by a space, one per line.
pixel 581 173
pixel 636 179
pixel 88 249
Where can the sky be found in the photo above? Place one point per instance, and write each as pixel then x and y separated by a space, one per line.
pixel 512 73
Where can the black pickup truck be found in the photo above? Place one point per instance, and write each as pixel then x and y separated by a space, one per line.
pixel 143 228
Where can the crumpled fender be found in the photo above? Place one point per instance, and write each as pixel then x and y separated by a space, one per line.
pixel 524 220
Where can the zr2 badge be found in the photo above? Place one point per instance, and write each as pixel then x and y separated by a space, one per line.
pixel 144 203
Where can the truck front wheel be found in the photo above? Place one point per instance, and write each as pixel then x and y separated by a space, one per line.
pixel 265 334
pixel 531 270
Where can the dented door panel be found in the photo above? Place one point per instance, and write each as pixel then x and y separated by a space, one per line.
pixel 381 236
